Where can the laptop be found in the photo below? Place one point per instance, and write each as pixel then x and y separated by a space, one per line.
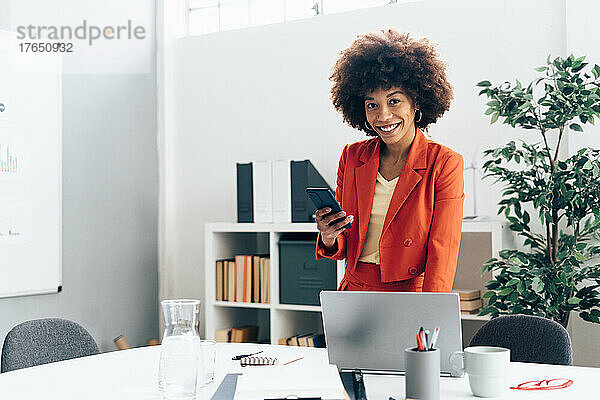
pixel 370 330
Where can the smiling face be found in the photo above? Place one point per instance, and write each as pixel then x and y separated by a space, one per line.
pixel 391 113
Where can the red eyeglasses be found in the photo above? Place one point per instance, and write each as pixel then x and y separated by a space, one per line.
pixel 545 384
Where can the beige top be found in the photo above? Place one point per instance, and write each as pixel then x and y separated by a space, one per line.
pixel 381 201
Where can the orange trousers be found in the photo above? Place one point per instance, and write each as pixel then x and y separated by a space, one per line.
pixel 367 277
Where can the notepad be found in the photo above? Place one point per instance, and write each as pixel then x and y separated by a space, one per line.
pixel 283 381
pixel 256 360
pixel 264 360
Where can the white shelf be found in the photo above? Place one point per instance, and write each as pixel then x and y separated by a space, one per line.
pixel 226 239
pixel 481 225
pixel 476 225
pixel 302 307
pixel 298 307
pixel 475 317
pixel 238 304
pixel 256 227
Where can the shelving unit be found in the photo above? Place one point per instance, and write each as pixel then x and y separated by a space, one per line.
pixel 275 320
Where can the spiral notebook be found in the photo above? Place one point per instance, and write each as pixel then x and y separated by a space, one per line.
pixel 260 361
pixel 256 360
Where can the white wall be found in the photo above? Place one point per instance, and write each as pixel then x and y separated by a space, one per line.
pixel 582 39
pixel 110 201
pixel 263 93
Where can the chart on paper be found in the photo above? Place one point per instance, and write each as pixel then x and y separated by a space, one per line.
pixel 10 160
pixel 15 221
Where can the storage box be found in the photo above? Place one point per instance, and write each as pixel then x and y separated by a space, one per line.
pixel 301 277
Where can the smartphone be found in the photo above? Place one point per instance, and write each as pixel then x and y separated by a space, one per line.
pixel 353 382
pixel 323 197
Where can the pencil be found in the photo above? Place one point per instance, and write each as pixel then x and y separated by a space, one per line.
pixel 289 362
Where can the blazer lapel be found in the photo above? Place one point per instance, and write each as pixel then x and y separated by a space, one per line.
pixel 409 178
pixel 366 175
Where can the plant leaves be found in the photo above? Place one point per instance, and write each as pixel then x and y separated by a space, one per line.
pixel 576 127
pixel 514 269
pixel 495 117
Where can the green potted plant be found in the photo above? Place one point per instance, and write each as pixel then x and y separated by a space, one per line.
pixel 556 275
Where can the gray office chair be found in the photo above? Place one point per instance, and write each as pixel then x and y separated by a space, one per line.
pixel 43 341
pixel 529 338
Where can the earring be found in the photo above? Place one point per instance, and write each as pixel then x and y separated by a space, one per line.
pixel 418 119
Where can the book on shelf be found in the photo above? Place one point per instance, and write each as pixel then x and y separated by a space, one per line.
pixel 247 298
pixel 304 174
pixel 291 341
pixel 468 294
pixel 470 300
pixel 223 335
pixel 282 191
pixel 306 340
pixel 470 305
pixel 265 282
pixel 262 189
pixel 317 340
pixel 244 279
pixel 245 201
pixel 303 340
pixel 219 281
pixel 255 279
pixel 244 334
pixel 239 278
pixel 240 334
pixel 232 280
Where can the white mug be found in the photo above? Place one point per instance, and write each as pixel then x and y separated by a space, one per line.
pixel 487 368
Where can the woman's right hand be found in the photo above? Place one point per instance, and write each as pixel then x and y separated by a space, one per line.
pixel 329 233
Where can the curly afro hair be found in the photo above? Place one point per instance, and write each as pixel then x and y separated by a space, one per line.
pixel 384 60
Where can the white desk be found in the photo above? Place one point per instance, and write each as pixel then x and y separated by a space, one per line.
pixel 131 375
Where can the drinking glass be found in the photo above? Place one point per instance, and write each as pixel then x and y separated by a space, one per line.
pixel 206 374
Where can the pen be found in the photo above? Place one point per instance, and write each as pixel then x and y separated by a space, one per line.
pixel 422 335
pixel 245 355
pixel 434 337
pixel 427 339
pixel 419 343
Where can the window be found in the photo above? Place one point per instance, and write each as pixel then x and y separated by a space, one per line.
pixel 206 16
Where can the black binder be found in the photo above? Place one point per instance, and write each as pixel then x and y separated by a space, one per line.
pixel 304 175
pixel 245 207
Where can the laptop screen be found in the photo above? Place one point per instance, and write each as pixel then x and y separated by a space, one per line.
pixel 370 330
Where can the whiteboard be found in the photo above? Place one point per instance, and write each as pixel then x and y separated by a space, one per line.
pixel 30 170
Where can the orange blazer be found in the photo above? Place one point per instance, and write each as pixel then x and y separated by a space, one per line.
pixel 422 227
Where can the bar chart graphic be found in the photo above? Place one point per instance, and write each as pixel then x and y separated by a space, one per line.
pixel 15 220
pixel 9 160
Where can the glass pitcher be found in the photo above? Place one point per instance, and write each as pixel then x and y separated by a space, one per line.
pixel 181 342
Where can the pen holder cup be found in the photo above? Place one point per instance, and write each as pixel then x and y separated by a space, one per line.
pixel 422 374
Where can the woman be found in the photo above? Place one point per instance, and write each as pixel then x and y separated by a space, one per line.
pixel 402 193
